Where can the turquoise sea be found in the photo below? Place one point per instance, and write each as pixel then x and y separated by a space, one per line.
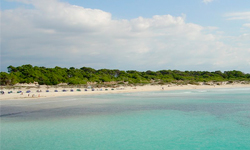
pixel 214 119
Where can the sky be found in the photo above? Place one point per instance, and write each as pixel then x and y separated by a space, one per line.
pixel 193 35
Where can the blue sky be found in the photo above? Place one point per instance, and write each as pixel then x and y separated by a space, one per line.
pixel 129 34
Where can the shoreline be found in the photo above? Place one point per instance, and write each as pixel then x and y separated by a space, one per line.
pixel 43 94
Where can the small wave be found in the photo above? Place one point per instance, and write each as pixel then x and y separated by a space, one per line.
pixel 10 114
pixel 203 91
pixel 38 103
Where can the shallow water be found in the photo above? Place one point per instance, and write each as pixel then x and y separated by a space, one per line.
pixel 188 119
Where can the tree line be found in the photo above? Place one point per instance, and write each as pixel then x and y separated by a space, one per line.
pixel 53 76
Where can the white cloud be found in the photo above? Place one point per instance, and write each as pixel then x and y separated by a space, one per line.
pixel 238 16
pixel 57 33
pixel 207 1
pixel 243 16
pixel 246 25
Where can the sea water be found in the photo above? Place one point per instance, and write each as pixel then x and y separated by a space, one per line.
pixel 185 120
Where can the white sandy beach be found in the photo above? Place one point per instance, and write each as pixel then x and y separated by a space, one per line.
pixel 34 94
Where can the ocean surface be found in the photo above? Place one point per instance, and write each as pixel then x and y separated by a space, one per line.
pixel 214 119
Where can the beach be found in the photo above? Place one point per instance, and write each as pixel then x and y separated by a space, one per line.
pixel 44 92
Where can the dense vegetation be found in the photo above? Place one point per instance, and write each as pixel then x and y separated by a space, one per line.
pixel 84 75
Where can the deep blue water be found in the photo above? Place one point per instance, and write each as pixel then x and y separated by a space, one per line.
pixel 185 120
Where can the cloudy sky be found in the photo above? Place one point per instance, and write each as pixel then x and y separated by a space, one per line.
pixel 127 34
